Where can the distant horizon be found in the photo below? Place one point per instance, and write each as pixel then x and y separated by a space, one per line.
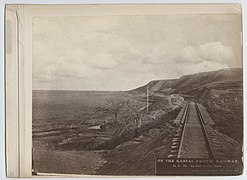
pixel 92 90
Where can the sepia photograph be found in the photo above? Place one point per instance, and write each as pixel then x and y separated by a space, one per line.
pixel 137 94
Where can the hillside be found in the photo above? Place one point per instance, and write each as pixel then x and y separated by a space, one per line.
pixel 195 83
pixel 221 92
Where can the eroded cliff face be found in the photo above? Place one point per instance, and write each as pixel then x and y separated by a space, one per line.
pixel 195 83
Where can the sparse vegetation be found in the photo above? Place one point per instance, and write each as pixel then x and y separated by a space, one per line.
pixel 227 111
pixel 113 108
pixel 126 135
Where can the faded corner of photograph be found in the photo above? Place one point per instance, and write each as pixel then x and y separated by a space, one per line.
pixel 137 95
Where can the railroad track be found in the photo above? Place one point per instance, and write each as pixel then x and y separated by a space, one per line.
pixel 194 138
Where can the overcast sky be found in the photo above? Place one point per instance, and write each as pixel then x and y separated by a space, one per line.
pixel 125 52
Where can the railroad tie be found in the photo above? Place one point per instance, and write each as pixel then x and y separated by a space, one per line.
pixel 216 145
pixel 176 139
pixel 175 147
pixel 175 144
pixel 220 155
pixel 172 156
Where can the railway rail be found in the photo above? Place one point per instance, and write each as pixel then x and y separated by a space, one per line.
pixel 194 138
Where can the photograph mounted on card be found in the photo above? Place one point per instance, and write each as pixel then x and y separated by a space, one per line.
pixel 124 90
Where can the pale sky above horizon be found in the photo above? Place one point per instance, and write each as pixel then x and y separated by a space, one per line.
pixel 125 52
